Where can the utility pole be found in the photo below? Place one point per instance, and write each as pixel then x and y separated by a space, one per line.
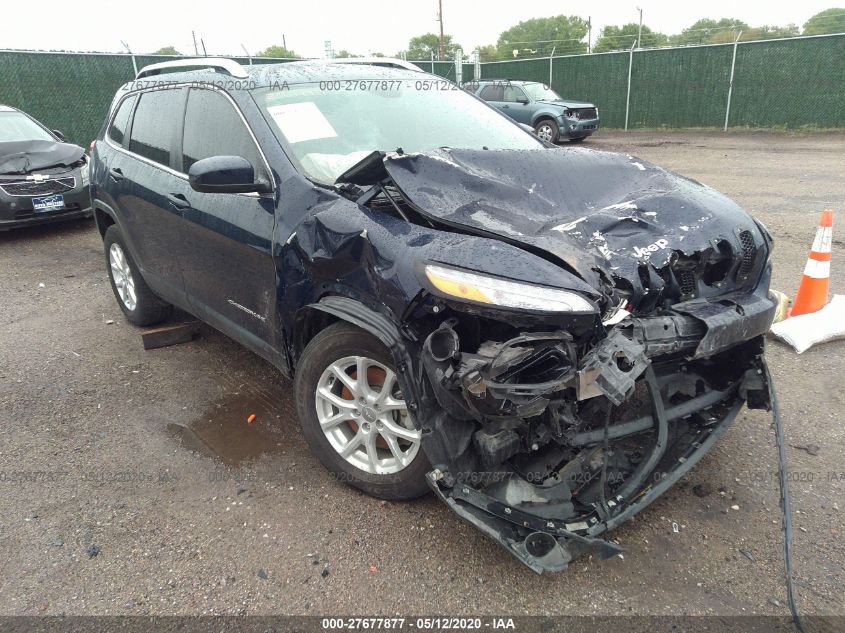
pixel 196 50
pixel 440 52
pixel 589 34
pixel 204 53
pixel 284 43
pixel 640 32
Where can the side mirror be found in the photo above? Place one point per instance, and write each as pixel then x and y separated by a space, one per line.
pixel 60 134
pixel 523 101
pixel 225 174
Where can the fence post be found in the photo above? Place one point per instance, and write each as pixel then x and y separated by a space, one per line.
pixel 432 62
pixel 459 66
pixel 628 98
pixel 551 57
pixel 731 83
pixel 476 69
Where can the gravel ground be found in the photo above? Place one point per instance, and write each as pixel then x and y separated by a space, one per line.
pixel 131 483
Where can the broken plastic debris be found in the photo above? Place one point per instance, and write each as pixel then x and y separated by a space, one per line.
pixel 806 330
pixel 783 302
pixel 251 418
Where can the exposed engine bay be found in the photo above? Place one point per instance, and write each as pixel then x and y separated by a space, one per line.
pixel 545 430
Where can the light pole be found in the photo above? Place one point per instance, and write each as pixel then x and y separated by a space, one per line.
pixel 440 52
pixel 640 31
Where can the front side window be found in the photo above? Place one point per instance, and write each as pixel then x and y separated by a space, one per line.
pixel 117 129
pixel 514 94
pixel 329 131
pixel 15 126
pixel 155 123
pixel 214 128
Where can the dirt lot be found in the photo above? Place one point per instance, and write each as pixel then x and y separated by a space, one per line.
pixel 126 519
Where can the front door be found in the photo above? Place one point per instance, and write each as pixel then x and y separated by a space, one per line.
pixel 228 267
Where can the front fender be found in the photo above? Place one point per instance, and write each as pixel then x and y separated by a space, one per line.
pixel 547 113
pixel 386 331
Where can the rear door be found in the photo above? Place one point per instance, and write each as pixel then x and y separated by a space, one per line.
pixel 494 94
pixel 229 272
pixel 148 188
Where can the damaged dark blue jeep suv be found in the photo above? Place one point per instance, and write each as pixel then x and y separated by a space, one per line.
pixel 547 338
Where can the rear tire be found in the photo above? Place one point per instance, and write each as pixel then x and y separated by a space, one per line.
pixel 547 130
pixel 139 304
pixel 359 430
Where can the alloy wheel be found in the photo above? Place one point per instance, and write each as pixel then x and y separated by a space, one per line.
pixel 122 276
pixel 363 415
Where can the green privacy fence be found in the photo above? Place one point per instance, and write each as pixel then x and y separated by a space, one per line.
pixel 72 92
pixel 792 83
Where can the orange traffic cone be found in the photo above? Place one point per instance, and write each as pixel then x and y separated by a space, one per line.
pixel 815 285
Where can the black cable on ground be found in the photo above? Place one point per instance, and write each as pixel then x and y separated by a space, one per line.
pixel 786 511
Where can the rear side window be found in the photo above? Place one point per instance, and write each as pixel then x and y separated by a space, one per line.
pixel 117 129
pixel 214 128
pixel 154 126
pixel 493 93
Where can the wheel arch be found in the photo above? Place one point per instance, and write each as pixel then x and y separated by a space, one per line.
pixel 544 114
pixel 314 317
pixel 103 219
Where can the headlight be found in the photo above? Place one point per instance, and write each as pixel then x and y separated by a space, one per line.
pixel 508 294
pixel 568 113
pixel 83 171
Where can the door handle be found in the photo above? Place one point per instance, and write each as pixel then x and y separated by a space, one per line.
pixel 115 174
pixel 506 107
pixel 178 201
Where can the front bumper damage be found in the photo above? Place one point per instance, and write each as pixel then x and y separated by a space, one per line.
pixel 552 442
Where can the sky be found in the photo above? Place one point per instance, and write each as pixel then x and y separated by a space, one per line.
pixel 359 26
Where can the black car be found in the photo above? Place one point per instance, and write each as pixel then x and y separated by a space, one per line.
pixel 42 178
pixel 547 338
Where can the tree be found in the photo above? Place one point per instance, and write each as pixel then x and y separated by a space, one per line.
pixel 828 21
pixel 489 53
pixel 619 38
pixel 167 50
pixel 343 53
pixel 421 47
pixel 276 51
pixel 703 31
pixel 540 35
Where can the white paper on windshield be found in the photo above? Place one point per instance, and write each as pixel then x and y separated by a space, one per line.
pixel 301 121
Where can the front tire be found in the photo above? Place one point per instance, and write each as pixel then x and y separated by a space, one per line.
pixel 547 130
pixel 359 429
pixel 138 303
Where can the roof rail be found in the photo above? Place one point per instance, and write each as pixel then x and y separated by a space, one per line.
pixel 222 64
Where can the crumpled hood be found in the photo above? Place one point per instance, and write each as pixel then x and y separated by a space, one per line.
pixel 602 213
pixel 20 157
pixel 569 103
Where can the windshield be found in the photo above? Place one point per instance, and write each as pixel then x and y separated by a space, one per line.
pixel 15 126
pixel 540 92
pixel 329 128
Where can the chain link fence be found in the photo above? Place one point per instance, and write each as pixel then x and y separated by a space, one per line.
pixel 792 83
pixel 72 92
